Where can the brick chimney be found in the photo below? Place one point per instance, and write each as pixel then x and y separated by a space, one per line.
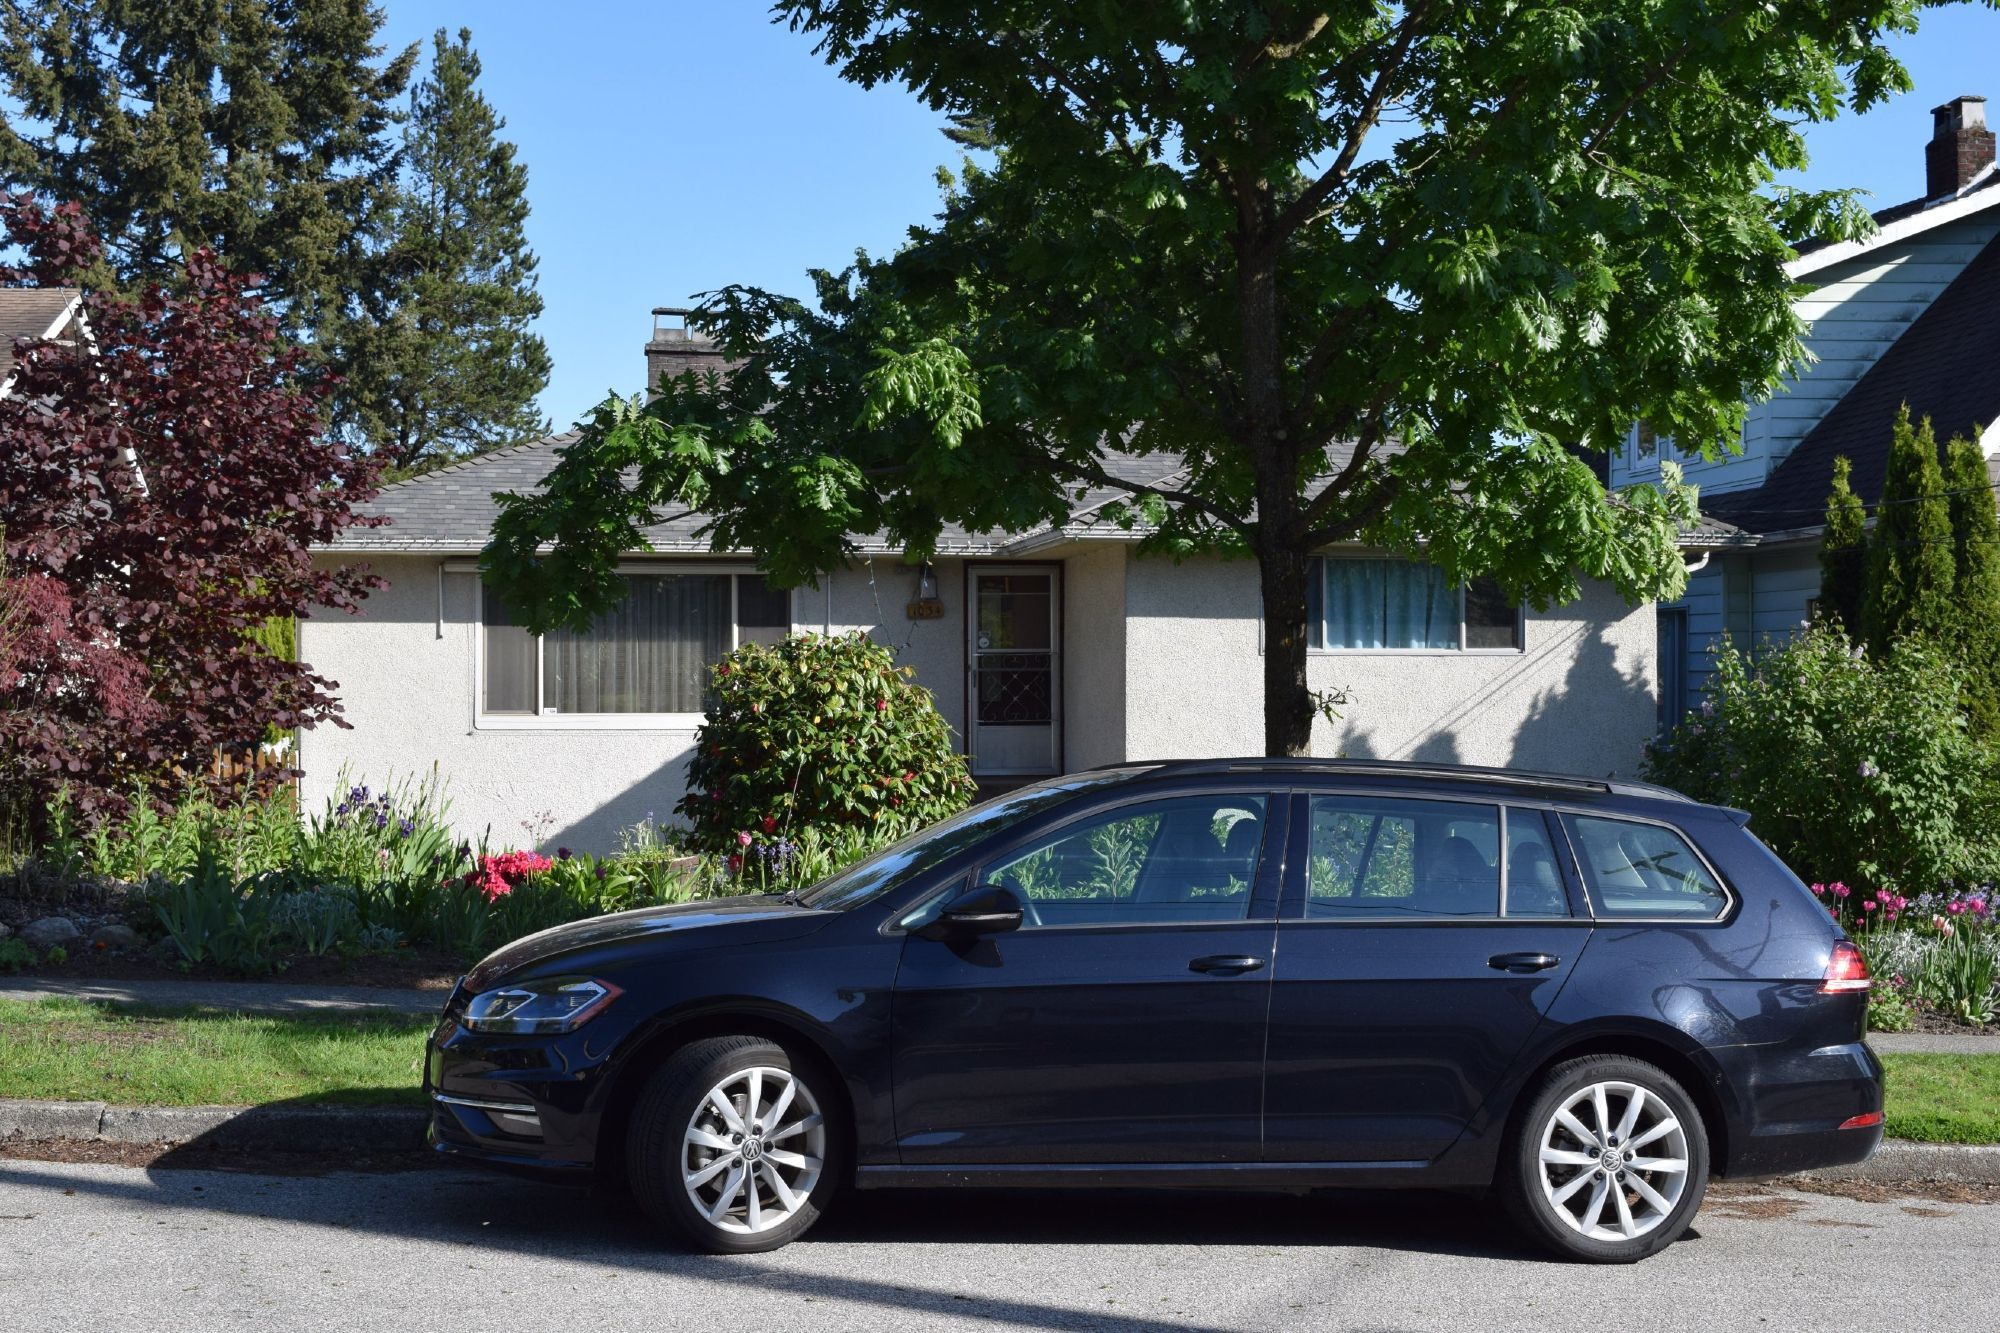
pixel 678 346
pixel 1960 148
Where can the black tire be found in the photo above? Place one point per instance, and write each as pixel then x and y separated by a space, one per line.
pixel 1558 1227
pixel 676 1094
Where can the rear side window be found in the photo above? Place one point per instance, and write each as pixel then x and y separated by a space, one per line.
pixel 1379 857
pixel 1534 885
pixel 1644 870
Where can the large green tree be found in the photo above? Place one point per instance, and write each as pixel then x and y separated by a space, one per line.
pixel 1912 571
pixel 1843 552
pixel 441 359
pixel 1356 270
pixel 260 129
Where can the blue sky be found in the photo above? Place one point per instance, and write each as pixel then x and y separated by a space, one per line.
pixel 675 147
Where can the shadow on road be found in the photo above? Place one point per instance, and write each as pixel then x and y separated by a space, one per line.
pixel 543 1222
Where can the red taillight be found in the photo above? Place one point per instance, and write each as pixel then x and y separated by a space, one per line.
pixel 1866 1120
pixel 1846 970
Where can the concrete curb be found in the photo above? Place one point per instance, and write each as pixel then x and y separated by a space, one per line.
pixel 281 1127
pixel 1899 1160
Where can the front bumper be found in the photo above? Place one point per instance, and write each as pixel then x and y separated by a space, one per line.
pixel 520 1102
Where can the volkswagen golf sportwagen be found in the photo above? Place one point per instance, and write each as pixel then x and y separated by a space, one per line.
pixel 1587 996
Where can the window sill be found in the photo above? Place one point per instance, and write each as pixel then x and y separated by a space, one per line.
pixel 589 722
pixel 1416 652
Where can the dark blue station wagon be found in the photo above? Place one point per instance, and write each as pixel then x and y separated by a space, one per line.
pixel 1587 996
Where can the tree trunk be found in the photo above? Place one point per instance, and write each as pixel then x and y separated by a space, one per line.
pixel 1288 706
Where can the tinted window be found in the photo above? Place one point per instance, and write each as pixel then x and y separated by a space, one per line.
pixel 1534 884
pixel 1187 858
pixel 1382 857
pixel 1643 870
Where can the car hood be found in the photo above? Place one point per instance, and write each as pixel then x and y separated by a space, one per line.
pixel 703 924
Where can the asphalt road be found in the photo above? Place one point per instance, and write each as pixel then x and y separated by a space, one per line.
pixel 104 1247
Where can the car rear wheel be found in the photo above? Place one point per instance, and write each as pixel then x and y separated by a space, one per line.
pixel 1609 1162
pixel 733 1145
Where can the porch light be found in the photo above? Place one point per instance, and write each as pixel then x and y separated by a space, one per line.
pixel 926 605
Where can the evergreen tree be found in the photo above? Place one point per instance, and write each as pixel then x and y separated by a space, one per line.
pixel 443 362
pixel 259 129
pixel 1843 553
pixel 1975 531
pixel 1911 570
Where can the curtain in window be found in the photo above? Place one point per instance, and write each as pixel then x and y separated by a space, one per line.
pixel 649 654
pixel 1386 604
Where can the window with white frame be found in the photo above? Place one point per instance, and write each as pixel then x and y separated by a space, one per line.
pixel 650 655
pixel 1645 447
pixel 1367 604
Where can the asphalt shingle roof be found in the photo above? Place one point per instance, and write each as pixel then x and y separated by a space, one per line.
pixel 27 312
pixel 1946 366
pixel 452 509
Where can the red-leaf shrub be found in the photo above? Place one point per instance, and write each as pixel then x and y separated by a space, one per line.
pixel 160 487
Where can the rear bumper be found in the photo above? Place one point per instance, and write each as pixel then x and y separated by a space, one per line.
pixel 1796 1105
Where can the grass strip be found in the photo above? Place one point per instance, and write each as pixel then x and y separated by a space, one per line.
pixel 1943 1098
pixel 76 1050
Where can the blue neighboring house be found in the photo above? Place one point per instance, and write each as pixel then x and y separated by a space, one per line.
pixel 1911 315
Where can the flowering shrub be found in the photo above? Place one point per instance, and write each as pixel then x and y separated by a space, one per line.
pixel 1849 766
pixel 497 876
pixel 817 734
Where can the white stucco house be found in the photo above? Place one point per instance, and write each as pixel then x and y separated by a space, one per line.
pixel 1047 651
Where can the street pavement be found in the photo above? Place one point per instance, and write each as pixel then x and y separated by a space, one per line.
pixel 90 1247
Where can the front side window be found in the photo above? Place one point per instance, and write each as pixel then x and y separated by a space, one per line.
pixel 1361 604
pixel 1386 858
pixel 1185 858
pixel 650 654
pixel 1644 870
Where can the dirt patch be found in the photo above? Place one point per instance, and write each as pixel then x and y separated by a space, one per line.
pixel 1751 1203
pixel 1870 1191
pixel 1928 1212
pixel 199 1157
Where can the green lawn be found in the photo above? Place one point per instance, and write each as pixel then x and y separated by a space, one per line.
pixel 1944 1098
pixel 70 1050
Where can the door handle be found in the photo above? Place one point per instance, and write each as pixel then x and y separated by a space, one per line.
pixel 1226 962
pixel 1523 962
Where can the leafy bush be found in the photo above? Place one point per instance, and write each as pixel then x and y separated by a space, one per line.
pixel 1957 978
pixel 1850 766
pixel 821 734
pixel 15 955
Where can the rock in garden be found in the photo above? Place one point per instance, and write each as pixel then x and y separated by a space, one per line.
pixel 49 932
pixel 115 935
pixel 5 930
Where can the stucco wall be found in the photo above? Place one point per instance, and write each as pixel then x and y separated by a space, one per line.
pixel 1580 698
pixel 1093 656
pixel 409 692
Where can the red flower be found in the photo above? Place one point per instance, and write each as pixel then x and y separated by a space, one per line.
pixel 770 824
pixel 497 876
pixel 881 705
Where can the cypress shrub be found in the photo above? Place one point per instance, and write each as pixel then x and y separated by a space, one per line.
pixel 1843 553
pixel 1911 571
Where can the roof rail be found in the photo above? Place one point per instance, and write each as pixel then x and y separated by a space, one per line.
pixel 1417 768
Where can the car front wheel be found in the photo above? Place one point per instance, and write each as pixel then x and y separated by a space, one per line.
pixel 1609 1162
pixel 733 1146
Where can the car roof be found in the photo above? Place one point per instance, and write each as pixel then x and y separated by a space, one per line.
pixel 1415 771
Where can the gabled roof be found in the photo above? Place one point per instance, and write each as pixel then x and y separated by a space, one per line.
pixel 1902 221
pixel 1946 366
pixel 32 312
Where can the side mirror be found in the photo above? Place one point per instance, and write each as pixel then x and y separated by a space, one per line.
pixel 990 909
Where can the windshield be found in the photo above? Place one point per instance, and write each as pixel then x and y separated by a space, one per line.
pixel 895 865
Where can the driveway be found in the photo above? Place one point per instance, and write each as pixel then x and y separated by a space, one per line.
pixel 86 1246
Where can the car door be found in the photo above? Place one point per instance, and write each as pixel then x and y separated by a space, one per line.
pixel 1421 942
pixel 1124 1021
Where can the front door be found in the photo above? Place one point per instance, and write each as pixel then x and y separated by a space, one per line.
pixel 1422 942
pixel 1124 1021
pixel 1012 657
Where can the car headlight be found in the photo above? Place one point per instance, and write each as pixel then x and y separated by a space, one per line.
pixel 554 1004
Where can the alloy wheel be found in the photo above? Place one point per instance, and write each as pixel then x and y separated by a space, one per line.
pixel 1614 1161
pixel 753 1150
